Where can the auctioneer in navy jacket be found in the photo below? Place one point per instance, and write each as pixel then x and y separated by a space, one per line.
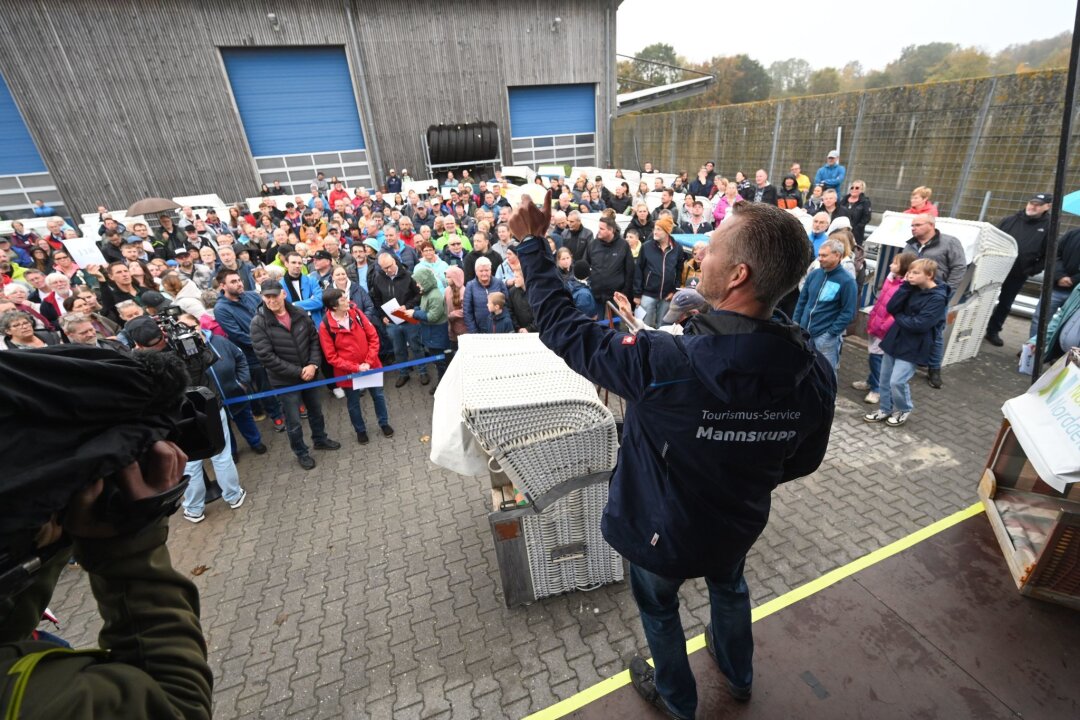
pixel 715 420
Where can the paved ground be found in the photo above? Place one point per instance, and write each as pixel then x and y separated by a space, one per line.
pixel 368 588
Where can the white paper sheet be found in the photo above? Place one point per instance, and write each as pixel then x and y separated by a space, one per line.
pixel 389 307
pixel 85 252
pixel 375 380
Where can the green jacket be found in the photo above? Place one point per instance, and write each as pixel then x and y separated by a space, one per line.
pixel 152 661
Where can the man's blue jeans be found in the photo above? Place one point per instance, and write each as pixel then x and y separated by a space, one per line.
pixel 294 428
pixel 657 599
pixel 245 423
pixel 874 378
pixel 356 415
pixel 260 382
pixel 655 310
pixel 405 337
pixel 830 346
pixel 225 471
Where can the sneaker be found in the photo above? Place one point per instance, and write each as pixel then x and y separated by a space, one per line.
pixel 994 339
pixel 259 449
pixel 258 417
pixel 303 413
pixel 933 378
pixel 362 438
pixel 402 379
pixel 425 379
pixel 328 444
pixel 872 398
pixel 875 417
pixel 279 424
pixel 898 419
pixel 240 500
pixel 192 518
pixel 306 461
pixel 644 679
pixel 339 393
pixel 387 431
pixel 861 385
pixel 742 694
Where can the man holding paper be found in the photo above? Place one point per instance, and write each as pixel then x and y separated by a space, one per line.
pixel 392 288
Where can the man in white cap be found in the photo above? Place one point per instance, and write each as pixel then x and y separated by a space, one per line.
pixel 831 174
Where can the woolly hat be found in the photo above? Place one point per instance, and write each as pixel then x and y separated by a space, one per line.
pixel 666 224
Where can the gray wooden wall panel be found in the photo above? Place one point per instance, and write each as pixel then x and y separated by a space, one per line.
pixel 127 99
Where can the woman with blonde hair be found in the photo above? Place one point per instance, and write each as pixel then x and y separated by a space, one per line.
pixel 920 202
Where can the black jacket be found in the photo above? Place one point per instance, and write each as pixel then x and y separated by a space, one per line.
pixel 470 262
pixel 520 312
pixel 401 288
pixel 1030 235
pixel 619 204
pixel 658 272
pixel 858 213
pixel 768 194
pixel 284 353
pixel 644 231
pixel 577 242
pixel 1068 258
pixel 673 208
pixel 611 268
pixel 789 198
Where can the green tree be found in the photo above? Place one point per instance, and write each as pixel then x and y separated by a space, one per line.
pixel 752 81
pixel 825 80
pixel 917 61
pixel 789 77
pixel 960 64
pixel 657 74
pixel 852 77
pixel 879 79
pixel 1052 52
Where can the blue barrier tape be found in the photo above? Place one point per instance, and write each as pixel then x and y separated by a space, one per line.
pixel 319 383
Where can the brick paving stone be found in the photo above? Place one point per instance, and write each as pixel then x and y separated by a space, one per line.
pixel 369 588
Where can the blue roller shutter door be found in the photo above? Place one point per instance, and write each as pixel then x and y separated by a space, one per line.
pixel 23 174
pixel 553 124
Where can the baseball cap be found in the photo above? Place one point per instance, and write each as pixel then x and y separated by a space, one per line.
pixel 182 251
pixel 270 287
pixel 132 239
pixel 684 301
pixel 143 330
pixel 1042 198
pixel 834 154
pixel 323 255
pixel 154 299
pixel 5 239
pixel 190 228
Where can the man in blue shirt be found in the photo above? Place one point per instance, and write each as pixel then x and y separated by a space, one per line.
pixel 43 210
pixel 828 302
pixel 831 174
pixel 715 420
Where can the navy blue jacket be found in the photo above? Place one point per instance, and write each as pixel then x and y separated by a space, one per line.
pixel 235 317
pixel 714 421
pixel 915 314
pixel 230 372
pixel 658 271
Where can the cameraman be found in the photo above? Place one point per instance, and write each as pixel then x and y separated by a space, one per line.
pixel 145 333
pixel 152 661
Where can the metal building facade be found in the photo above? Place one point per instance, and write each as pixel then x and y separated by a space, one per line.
pixel 127 99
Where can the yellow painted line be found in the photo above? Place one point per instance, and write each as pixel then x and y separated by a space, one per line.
pixel 613 683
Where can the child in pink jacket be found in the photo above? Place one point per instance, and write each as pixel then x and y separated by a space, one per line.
pixel 879 323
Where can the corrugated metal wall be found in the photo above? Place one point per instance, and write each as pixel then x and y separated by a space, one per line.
pixel 126 99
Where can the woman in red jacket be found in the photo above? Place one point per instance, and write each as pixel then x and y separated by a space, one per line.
pixel 351 344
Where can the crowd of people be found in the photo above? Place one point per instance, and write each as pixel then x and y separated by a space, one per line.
pixel 353 280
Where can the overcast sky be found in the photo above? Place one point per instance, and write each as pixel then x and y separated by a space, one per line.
pixel 827 34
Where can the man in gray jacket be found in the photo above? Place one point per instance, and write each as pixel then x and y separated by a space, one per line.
pixel 928 242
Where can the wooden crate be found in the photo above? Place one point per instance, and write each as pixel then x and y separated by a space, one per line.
pixel 1045 563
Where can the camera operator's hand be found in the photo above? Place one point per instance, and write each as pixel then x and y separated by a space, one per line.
pixel 529 219
pixel 162 468
pixel 308 373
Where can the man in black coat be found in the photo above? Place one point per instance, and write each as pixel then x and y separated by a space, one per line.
pixel 1029 228
pixel 576 237
pixel 763 191
pixel 611 264
pixel 287 344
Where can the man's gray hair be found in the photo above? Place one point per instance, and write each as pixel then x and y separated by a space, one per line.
pixel 834 246
pixel 276 272
pixel 125 305
pixel 55 277
pixel 573 214
pixel 483 262
pixel 928 218
pixel 72 319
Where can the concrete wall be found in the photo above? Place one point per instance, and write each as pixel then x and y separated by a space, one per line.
pixel 129 98
pixel 963 139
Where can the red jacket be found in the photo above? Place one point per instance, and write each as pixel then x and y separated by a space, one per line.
pixel 344 349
